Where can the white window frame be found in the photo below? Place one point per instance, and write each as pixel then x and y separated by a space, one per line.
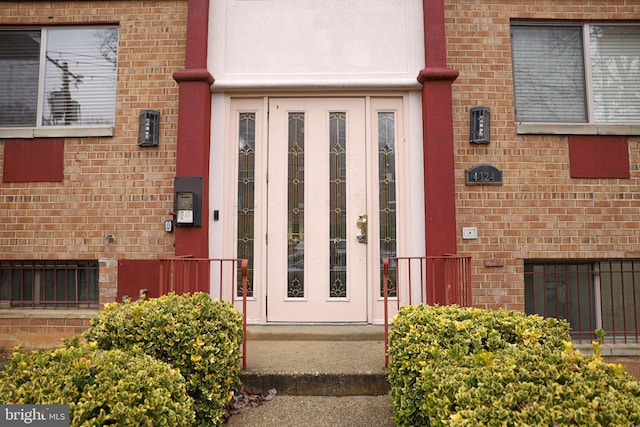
pixel 591 127
pixel 40 131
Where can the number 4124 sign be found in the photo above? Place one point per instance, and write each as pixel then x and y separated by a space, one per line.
pixel 483 175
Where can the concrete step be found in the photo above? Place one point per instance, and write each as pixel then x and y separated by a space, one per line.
pixel 300 360
pixel 340 332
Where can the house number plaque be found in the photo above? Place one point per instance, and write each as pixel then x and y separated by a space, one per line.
pixel 484 175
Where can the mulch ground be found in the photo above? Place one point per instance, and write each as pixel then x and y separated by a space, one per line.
pixel 5 355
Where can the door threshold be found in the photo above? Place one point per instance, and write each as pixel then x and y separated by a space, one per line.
pixel 315 331
pixel 280 323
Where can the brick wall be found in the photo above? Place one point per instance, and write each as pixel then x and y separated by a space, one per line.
pixel 111 186
pixel 34 329
pixel 539 211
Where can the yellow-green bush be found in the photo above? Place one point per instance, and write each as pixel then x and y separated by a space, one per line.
pixel 472 367
pixel 101 387
pixel 198 336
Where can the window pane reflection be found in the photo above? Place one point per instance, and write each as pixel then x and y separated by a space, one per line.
pixel 80 76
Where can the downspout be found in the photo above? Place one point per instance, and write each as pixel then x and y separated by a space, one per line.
pixel 437 128
pixel 194 124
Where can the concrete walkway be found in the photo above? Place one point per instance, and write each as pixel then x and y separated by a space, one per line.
pixel 318 411
pixel 323 375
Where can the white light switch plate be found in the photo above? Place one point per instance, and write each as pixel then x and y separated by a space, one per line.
pixel 469 232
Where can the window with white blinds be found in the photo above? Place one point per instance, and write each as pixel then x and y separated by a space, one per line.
pixel 58 76
pixel 615 72
pixel 583 73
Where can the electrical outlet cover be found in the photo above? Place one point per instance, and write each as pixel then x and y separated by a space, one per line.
pixel 469 232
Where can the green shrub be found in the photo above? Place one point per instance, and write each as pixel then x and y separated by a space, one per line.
pixel 198 336
pixel 101 387
pixel 473 367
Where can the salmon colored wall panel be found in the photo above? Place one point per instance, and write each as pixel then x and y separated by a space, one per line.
pixel 33 160
pixel 599 156
pixel 134 275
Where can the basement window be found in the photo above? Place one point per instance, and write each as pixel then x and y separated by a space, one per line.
pixel 49 284
pixel 590 295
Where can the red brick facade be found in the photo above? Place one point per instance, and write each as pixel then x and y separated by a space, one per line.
pixel 540 212
pixel 111 186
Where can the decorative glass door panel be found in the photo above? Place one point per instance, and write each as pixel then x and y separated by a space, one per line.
pixel 246 197
pixel 317 210
pixel 295 205
pixel 337 206
pixel 387 196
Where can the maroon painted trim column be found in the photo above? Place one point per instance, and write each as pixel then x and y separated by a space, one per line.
pixel 437 124
pixel 194 124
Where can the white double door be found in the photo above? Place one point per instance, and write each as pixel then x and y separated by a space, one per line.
pixel 311 187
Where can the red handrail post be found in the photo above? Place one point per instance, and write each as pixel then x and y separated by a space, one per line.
pixel 385 287
pixel 469 300
pixel 244 266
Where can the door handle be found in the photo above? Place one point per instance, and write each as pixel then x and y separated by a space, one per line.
pixel 361 223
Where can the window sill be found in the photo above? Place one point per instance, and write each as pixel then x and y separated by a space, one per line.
pixel 30 313
pixel 57 132
pixel 530 128
pixel 611 350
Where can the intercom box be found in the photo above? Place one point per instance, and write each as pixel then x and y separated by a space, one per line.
pixel 187 201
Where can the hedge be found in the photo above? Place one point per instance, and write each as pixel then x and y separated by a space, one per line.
pixel 101 387
pixel 198 336
pixel 474 367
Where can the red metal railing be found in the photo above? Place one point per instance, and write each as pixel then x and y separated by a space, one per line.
pixel 444 280
pixel 188 274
